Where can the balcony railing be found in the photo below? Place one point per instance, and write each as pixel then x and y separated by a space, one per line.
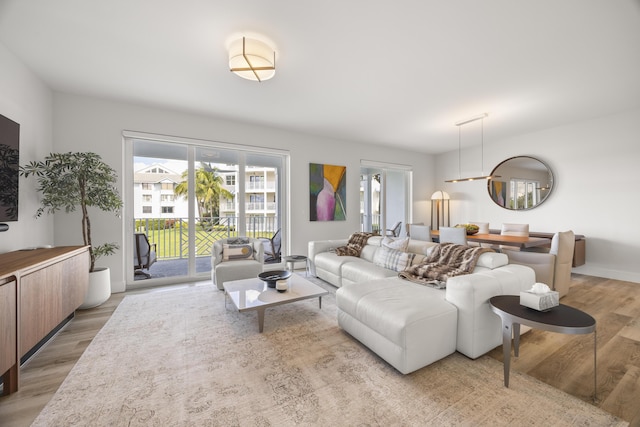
pixel 260 186
pixel 171 235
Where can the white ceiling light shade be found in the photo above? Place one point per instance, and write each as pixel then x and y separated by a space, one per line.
pixel 252 59
pixel 460 124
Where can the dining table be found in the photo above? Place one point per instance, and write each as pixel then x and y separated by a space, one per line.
pixel 523 242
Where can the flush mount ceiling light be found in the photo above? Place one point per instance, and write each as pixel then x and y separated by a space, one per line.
pixel 252 59
pixel 460 124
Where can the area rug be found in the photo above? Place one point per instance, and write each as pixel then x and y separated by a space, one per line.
pixel 181 358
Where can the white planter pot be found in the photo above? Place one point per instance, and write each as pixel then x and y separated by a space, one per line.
pixel 99 288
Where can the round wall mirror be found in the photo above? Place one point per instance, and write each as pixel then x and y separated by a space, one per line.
pixel 520 183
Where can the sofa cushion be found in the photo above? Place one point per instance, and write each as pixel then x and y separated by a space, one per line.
pixel 369 252
pixel 398 243
pixel 492 260
pixel 419 246
pixel 407 325
pixel 389 306
pixel 358 272
pixel 393 259
pixel 332 263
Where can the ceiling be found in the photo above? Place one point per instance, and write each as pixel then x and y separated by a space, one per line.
pixel 395 73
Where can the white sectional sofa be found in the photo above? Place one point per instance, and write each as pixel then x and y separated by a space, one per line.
pixel 411 325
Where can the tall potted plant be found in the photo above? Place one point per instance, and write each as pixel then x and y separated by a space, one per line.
pixel 81 180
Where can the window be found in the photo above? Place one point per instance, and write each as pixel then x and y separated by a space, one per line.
pixel 524 194
pixel 168 186
pixel 147 186
pixel 231 180
pixel 167 198
pixel 167 209
pixel 146 197
pixel 147 209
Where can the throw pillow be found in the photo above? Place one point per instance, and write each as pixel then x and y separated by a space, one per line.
pixel 398 243
pixel 393 259
pixel 236 252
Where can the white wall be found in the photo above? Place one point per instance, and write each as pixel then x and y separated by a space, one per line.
pixel 85 123
pixel 597 186
pixel 26 100
pixel 595 165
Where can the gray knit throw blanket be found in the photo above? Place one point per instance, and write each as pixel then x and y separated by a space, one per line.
pixel 446 260
pixel 354 246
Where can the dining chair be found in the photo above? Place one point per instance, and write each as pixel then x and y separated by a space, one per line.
pixel 483 228
pixel 420 232
pixel 457 235
pixel 513 230
pixel 409 225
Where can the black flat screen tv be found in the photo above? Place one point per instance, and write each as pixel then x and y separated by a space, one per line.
pixel 9 166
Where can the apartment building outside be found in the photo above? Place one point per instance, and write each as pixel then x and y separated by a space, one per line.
pixel 155 197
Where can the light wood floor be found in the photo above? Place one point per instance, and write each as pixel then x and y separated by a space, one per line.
pixel 563 361
pixel 566 361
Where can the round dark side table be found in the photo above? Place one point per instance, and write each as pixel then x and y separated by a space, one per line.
pixel 562 319
pixel 292 259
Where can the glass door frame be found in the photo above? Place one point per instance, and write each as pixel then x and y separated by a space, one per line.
pixel 283 200
pixel 384 169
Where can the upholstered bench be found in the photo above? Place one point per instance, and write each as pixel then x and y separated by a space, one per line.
pixel 406 324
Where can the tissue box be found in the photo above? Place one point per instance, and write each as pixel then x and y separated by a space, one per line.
pixel 540 302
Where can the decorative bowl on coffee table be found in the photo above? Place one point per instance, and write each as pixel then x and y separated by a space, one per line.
pixel 271 277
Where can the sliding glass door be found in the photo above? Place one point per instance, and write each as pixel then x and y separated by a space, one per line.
pixel 186 195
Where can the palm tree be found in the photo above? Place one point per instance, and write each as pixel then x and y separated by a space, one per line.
pixel 208 189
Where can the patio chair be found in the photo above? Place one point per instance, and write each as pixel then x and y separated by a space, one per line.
pixel 272 248
pixel 395 230
pixel 144 254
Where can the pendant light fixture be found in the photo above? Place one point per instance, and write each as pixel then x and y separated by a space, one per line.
pixel 460 124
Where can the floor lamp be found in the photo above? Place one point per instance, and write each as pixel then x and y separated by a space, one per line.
pixel 440 204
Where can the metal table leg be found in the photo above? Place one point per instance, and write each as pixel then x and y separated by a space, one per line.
pixel 506 349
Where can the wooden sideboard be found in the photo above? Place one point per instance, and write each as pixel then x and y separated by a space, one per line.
pixel 40 290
